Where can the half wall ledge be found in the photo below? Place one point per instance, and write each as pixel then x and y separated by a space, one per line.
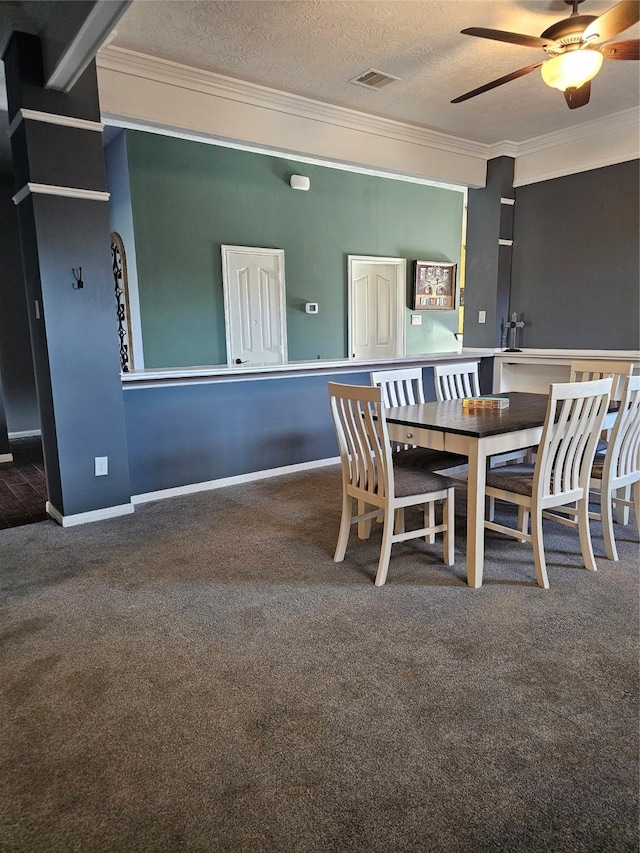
pixel 233 373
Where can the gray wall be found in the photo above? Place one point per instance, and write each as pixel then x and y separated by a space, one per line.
pixel 73 330
pixel 183 434
pixel 178 435
pixel 16 362
pixel 488 266
pixel 576 260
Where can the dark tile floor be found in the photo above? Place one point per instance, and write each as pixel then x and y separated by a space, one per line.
pixel 23 490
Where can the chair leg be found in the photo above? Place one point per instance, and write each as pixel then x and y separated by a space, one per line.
pixel 364 527
pixel 345 527
pixel 399 520
pixel 449 541
pixel 385 550
pixel 523 520
pixel 430 521
pixel 538 549
pixel 491 509
pixel 622 511
pixel 585 534
pixel 606 514
pixel 636 502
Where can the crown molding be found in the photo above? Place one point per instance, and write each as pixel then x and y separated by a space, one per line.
pixel 607 125
pixel 595 144
pixel 506 148
pixel 612 124
pixel 563 172
pixel 130 62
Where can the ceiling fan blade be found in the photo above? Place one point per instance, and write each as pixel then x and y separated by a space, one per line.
pixel 512 38
pixel 616 20
pixel 513 76
pixel 578 97
pixel 622 49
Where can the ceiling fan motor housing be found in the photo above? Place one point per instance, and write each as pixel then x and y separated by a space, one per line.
pixel 569 31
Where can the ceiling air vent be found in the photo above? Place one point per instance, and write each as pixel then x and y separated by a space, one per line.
pixel 373 79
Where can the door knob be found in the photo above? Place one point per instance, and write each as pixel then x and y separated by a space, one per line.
pixel 240 361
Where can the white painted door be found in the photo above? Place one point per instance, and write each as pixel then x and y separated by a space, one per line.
pixel 254 300
pixel 377 289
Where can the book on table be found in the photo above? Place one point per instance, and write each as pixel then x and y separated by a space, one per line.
pixel 485 402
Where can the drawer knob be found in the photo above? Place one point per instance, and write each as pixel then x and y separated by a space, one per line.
pixel 409 435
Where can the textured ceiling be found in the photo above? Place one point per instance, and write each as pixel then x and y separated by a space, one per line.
pixel 314 47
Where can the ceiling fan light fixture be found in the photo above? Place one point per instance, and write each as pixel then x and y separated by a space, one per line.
pixel 571 69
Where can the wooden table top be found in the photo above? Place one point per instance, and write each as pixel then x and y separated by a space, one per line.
pixel 524 411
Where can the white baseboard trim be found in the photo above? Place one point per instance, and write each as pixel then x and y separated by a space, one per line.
pixel 25 433
pixel 6 457
pixel 207 486
pixel 85 517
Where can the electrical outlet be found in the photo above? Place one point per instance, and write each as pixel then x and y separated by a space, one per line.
pixel 482 316
pixel 102 466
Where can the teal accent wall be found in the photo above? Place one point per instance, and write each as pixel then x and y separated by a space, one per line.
pixel 189 198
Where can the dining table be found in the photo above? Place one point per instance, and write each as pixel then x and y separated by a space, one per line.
pixel 477 434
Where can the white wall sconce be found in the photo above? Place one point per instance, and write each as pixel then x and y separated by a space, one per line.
pixel 299 182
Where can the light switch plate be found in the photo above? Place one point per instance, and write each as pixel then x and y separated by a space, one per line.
pixel 416 319
pixel 482 316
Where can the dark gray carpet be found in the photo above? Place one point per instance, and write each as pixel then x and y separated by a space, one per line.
pixel 201 676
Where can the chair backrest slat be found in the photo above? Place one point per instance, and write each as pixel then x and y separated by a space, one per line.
pixel 454 381
pixel 575 414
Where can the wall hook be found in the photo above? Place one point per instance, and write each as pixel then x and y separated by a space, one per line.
pixel 77 274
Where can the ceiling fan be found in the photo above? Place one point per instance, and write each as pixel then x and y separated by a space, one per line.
pixel 576 47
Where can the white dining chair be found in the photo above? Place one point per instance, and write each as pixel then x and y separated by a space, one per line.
pixel 614 474
pixel 371 479
pixel 400 387
pixel 582 371
pixel 560 477
pixel 454 381
pixel 404 387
